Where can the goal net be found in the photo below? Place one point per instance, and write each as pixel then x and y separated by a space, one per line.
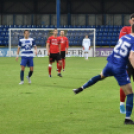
pixel 74 35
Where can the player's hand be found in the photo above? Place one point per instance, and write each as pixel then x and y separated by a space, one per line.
pixel 17 58
pixel 66 51
pixel 48 53
pixel 36 53
pixel 89 48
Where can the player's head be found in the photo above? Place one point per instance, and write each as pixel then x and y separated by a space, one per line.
pixel 55 32
pixel 61 33
pixel 132 28
pixel 86 36
pixel 26 34
pixel 131 21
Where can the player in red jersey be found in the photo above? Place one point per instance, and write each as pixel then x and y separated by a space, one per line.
pixel 64 48
pixel 126 30
pixel 53 50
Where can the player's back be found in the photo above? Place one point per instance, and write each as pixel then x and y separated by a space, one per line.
pixel 121 51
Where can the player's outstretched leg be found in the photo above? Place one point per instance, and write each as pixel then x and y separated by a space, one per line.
pixel 59 68
pixel 49 69
pixel 22 75
pixel 91 82
pixel 129 103
pixel 122 101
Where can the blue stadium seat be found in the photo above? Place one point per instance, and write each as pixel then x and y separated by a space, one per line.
pixel 29 26
pixel 34 26
pixel 110 34
pixel 84 26
pixel 65 26
pixel 88 26
pixel 24 26
pixel 105 35
pixel 109 38
pixel 79 26
pixel 104 38
pixel 1 26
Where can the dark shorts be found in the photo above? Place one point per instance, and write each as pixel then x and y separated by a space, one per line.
pixel 63 54
pixel 120 74
pixel 130 70
pixel 54 57
pixel 27 61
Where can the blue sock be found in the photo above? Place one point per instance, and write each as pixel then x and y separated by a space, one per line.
pixel 129 105
pixel 22 75
pixel 92 81
pixel 30 73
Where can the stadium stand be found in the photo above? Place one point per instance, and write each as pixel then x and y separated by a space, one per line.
pixel 105 35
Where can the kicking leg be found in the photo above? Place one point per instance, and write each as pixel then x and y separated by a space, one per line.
pixel 91 82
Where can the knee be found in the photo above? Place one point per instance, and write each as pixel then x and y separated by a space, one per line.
pixel 60 62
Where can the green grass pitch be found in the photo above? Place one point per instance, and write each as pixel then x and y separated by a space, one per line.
pixel 48 105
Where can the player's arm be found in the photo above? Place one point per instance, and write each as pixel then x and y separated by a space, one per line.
pixel 83 44
pixel 67 45
pixel 48 46
pixel 18 50
pixel 123 32
pixel 35 47
pixel 59 47
pixel 131 58
pixel 89 43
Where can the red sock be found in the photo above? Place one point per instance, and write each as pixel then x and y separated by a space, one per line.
pixel 57 65
pixel 63 63
pixel 59 68
pixel 49 69
pixel 122 95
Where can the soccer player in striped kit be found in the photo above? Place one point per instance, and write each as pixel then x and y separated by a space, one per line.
pixel 27 53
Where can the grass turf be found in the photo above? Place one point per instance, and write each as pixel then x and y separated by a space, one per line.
pixel 48 105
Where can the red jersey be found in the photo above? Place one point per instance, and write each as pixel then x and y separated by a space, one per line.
pixel 63 42
pixel 125 30
pixel 54 44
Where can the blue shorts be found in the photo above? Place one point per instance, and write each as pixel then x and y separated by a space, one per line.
pixel 120 74
pixel 27 61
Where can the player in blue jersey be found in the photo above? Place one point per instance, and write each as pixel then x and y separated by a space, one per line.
pixel 116 66
pixel 27 53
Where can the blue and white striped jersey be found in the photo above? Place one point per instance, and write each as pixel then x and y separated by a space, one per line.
pixel 26 46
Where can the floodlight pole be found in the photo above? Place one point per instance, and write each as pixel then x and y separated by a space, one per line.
pixel 58 12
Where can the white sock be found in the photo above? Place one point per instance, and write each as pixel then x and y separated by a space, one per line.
pixel 87 55
pixel 122 103
pixel 128 118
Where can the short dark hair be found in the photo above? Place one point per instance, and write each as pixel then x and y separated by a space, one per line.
pixel 26 31
pixel 132 16
pixel 133 28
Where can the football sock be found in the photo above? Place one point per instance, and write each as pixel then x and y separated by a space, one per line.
pixel 59 68
pixel 87 56
pixel 92 81
pixel 63 63
pixel 129 105
pixel 22 75
pixel 57 65
pixel 30 73
pixel 49 69
pixel 122 95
